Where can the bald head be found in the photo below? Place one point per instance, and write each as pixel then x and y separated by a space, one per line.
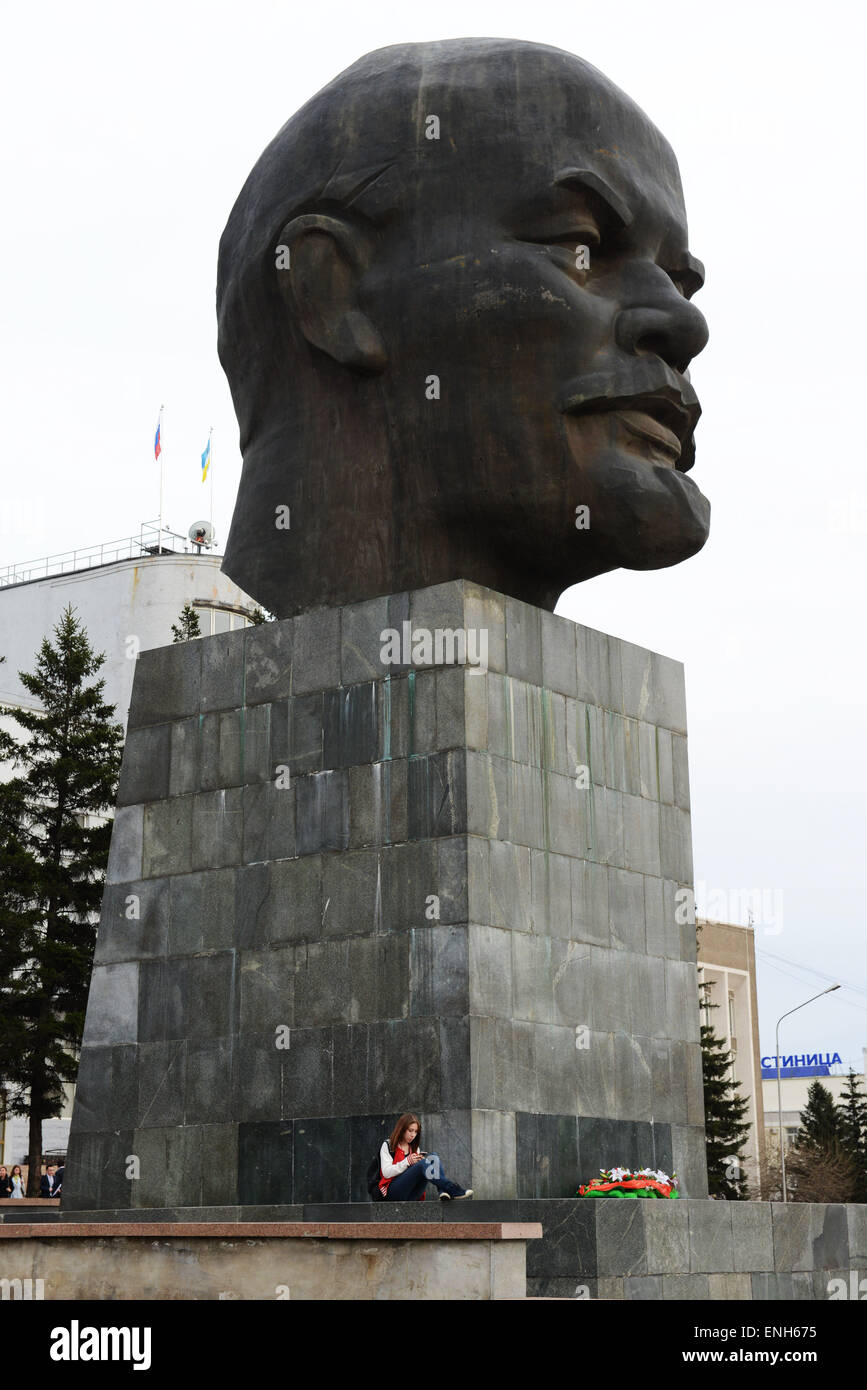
pixel 453 304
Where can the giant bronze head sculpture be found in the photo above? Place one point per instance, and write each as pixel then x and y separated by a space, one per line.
pixel 454 311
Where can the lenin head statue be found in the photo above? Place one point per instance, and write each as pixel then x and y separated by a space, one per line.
pixel 454 303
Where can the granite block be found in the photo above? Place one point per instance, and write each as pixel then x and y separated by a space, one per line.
pixel 222 671
pixel 321 1160
pixel 620 1236
pixel 112 1005
pixel 221 756
pixel 675 844
pixel 559 670
pixel 610 1289
pixel 267 988
pixel 97 1165
pixel 436 796
pixel 167 684
pixel 161 1074
pixel 493 1153
pixel 642 1288
pixel 168 837
pixel 351 1071
pixel 316 651
pixel 255 725
pixel 452 882
pixel 856 1218
pixel 731 1287
pixel 268 653
pixel 752 1236
pixel 438 606
pixel 405 1055
pixel 268 822
pixel 829 1235
pixel 648 762
pixel 210 1081
pixel 170 1161
pixel 145 772
pixel 643 831
pixel 351 893
pixel 361 640
pixel 349 726
pixel 547 1155
pixel 692 1288
pixel 217 831
pixel 185 756
pixel 680 771
pixel 490 972
pixel 202 911
pixel 439 971
pixel 626 910
pixel 264 1162
pixel 106 1094
pixel 666 1229
pixel 590 906
pixel 134 921
pixel 125 853
pixel 598 683
pixel 378 804
pixel 259 1076
pixel 219 1163
pixel 594 1073
pixel 454 1059
pixel 510 900
pixel 710 1238
pixel 322 812
pixel 408 878
pixel 278 902
pixel 485 612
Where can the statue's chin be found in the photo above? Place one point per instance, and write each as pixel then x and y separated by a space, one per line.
pixel 652 515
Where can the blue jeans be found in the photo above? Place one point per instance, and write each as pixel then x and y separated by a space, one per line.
pixel 409 1185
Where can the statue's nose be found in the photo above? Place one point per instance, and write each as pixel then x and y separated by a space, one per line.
pixel 675 331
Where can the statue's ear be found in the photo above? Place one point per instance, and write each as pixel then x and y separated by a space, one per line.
pixel 319 260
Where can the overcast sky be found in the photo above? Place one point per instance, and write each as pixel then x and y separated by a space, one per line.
pixel 127 136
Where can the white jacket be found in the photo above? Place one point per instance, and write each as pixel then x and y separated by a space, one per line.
pixel 388 1169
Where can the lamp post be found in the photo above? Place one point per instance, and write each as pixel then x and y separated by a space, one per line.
pixel 829 990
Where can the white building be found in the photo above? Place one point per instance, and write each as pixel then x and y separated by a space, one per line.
pixel 127 594
pixel 793 1090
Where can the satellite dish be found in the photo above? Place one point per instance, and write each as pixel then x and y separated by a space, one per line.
pixel 201 533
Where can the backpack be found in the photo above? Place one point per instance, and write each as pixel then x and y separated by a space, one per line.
pixel 373 1179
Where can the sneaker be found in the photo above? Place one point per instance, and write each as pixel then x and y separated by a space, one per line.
pixel 463 1195
pixel 445 1197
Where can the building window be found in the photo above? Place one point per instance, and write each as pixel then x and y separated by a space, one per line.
pixel 214 620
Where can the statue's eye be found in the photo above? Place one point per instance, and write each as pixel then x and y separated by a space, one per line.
pixel 588 236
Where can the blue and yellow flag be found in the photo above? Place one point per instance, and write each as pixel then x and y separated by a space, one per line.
pixel 206 461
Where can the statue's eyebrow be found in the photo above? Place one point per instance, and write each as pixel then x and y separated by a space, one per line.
pixel 589 179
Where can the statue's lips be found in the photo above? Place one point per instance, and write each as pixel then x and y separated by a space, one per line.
pixel 663 419
pixel 645 427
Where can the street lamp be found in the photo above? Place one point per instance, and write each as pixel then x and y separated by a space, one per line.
pixel 829 990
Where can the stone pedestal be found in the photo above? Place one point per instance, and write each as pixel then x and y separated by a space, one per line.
pixel 344 883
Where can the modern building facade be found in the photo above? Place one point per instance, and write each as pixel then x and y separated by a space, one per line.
pixel 727 964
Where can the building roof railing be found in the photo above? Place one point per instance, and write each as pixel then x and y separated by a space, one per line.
pixel 149 541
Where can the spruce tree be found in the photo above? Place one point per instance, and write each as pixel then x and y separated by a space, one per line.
pixel 187 626
pixel 821 1168
pixel 724 1111
pixel 819 1122
pixel 53 853
pixel 852 1116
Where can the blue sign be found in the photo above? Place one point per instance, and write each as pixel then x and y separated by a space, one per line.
pixel 812 1064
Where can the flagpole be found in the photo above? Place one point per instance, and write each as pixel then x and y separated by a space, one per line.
pixel 162 483
pixel 211 471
